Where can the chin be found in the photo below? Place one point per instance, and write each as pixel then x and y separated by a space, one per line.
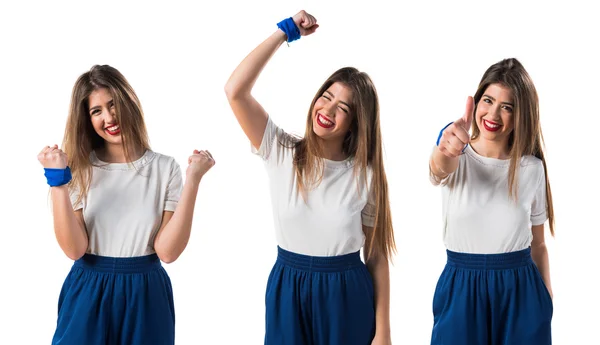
pixel 319 133
pixel 114 141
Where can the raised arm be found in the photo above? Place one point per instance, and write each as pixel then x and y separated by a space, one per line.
pixel 69 226
pixel 444 159
pixel 250 114
pixel 174 233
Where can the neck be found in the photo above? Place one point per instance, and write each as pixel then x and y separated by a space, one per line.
pixel 491 149
pixel 112 153
pixel 333 151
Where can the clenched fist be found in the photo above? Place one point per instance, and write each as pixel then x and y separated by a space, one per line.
pixel 306 23
pixel 51 157
pixel 199 163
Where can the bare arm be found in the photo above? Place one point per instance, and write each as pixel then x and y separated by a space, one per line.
pixel 250 114
pixel 379 268
pixel 176 227
pixel 69 226
pixel 539 254
pixel 174 233
pixel 441 165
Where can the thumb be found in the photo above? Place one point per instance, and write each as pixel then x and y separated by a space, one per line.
pixel 467 118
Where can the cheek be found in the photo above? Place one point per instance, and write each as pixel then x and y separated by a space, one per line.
pixel 508 121
pixel 479 114
pixel 98 124
pixel 95 122
pixel 482 109
pixel 343 121
pixel 318 104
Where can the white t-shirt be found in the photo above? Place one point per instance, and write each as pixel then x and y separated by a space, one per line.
pixel 125 203
pixel 330 222
pixel 480 217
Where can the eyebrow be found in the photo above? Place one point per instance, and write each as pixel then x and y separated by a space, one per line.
pixel 493 99
pixel 98 107
pixel 332 95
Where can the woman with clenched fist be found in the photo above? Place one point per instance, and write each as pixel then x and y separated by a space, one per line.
pixel 329 195
pixel 495 288
pixel 119 208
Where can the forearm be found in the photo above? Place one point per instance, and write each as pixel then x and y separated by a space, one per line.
pixel 539 254
pixel 174 237
pixel 69 231
pixel 380 271
pixel 441 165
pixel 244 77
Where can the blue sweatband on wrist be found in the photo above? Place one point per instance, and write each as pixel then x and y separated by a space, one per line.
pixel 58 177
pixel 289 28
pixel 437 143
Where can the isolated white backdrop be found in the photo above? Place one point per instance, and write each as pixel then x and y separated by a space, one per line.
pixel 425 59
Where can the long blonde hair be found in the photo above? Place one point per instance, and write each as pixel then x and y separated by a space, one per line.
pixel 81 139
pixel 363 144
pixel 526 138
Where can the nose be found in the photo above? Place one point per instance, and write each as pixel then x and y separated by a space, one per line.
pixel 330 109
pixel 109 116
pixel 495 111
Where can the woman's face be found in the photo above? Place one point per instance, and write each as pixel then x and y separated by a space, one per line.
pixel 494 115
pixel 102 115
pixel 331 114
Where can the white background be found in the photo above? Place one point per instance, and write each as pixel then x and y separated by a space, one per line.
pixel 425 59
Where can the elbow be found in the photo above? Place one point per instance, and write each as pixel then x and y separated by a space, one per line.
pixel 233 91
pixel 230 90
pixel 167 257
pixel 377 261
pixel 75 253
pixel 538 246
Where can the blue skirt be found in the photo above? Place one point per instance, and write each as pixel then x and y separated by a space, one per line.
pixel 116 301
pixel 319 300
pixel 491 299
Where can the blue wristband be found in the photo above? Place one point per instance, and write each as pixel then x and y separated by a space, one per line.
pixel 289 28
pixel 57 177
pixel 437 143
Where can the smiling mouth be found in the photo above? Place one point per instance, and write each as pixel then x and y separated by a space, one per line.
pixel 491 126
pixel 324 121
pixel 113 130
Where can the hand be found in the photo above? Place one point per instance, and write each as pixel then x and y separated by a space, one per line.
pixel 199 163
pixel 456 136
pixel 382 340
pixel 51 157
pixel 306 23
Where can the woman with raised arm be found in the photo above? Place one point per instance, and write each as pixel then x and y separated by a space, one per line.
pixel 329 196
pixel 119 209
pixel 495 288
